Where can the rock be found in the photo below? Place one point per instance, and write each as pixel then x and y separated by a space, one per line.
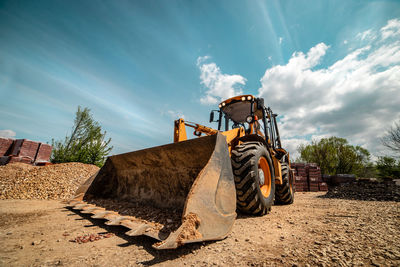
pixel 348 254
pixel 36 242
pixel 389 255
pixel 375 263
pixel 334 240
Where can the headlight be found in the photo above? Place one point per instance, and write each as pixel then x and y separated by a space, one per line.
pixel 220 106
pixel 249 119
pixel 223 104
pixel 243 98
pixel 249 98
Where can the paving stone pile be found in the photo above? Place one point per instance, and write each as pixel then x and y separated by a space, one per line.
pixel 366 189
pixel 57 181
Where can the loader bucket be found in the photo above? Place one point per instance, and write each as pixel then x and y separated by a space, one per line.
pixel 177 193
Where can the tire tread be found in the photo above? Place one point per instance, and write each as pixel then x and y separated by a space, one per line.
pixel 243 160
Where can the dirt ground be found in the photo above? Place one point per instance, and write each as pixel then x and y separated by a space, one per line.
pixel 314 231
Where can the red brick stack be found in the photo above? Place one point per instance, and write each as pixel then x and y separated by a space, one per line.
pixel 308 177
pixel 28 149
pixel 23 150
pixel 300 177
pixel 5 146
pixel 314 177
pixel 323 186
pixel 43 153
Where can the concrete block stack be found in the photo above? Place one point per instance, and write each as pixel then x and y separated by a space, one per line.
pixel 23 150
pixel 307 177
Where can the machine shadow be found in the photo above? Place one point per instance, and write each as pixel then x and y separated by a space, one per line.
pixel 145 242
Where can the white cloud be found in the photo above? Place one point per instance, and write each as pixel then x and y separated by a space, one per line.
pixel 392 29
pixel 200 60
pixel 7 134
pixel 219 86
pixel 357 97
pixel 291 145
pixel 367 35
pixel 280 40
pixel 345 42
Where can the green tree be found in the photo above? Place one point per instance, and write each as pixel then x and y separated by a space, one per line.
pixel 387 167
pixel 86 144
pixel 334 155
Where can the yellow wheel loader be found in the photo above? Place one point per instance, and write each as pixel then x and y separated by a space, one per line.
pixel 189 191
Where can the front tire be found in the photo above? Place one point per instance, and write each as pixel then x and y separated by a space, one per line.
pixel 254 178
pixel 284 193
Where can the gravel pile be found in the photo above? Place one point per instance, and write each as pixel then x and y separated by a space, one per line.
pixel 58 181
pixel 366 190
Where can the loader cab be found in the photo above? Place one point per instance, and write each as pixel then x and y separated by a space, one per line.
pixel 239 111
pixel 250 113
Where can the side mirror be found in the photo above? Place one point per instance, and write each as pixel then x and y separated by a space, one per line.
pixel 212 116
pixel 260 103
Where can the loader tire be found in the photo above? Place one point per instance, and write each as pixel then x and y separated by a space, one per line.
pixel 254 178
pixel 284 193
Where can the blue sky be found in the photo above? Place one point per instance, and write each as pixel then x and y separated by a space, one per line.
pixel 327 67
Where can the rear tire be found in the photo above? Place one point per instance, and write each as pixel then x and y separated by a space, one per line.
pixel 284 193
pixel 254 178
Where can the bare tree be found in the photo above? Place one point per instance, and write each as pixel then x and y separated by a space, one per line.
pixel 392 138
